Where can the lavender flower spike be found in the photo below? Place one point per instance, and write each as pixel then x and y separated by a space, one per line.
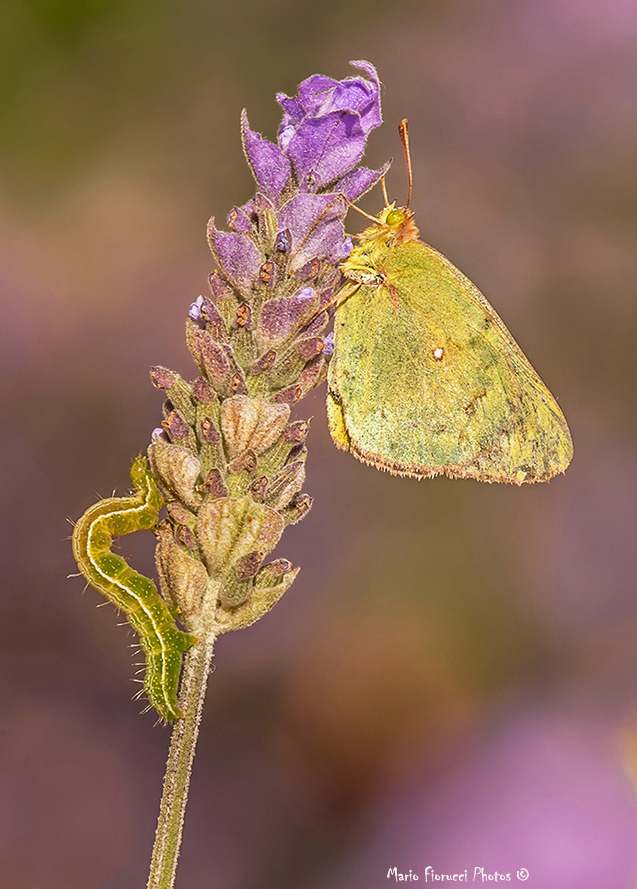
pixel 230 463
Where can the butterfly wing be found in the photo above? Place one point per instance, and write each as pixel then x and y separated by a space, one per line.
pixel 426 379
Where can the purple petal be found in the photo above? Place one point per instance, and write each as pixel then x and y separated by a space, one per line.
pixel 315 94
pixel 324 149
pixel 319 96
pixel 280 317
pixel 342 251
pixel 294 111
pixel 302 213
pixel 270 167
pixel 286 131
pixel 158 434
pixel 359 181
pixel 236 254
pixel 314 98
pixel 369 96
pixel 315 223
pixel 194 312
pixel 282 242
pixel 325 242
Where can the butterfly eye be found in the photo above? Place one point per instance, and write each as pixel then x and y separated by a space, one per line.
pixel 395 218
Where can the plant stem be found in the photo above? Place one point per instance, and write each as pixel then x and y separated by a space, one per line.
pixel 179 766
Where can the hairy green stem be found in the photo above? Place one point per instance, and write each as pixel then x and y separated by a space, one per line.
pixel 179 766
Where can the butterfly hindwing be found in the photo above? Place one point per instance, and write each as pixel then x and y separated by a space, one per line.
pixel 426 379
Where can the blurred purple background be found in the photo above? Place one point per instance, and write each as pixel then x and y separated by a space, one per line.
pixel 452 679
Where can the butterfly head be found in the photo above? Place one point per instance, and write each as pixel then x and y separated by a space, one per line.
pixel 395 218
pixel 393 225
pixel 399 223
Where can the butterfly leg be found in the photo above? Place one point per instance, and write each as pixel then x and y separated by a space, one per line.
pixel 393 295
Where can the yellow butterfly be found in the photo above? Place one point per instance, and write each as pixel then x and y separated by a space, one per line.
pixel 425 378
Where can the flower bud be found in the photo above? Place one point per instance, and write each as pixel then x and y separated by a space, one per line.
pixel 184 576
pixel 180 515
pixel 185 536
pixel 309 271
pixel 215 324
pixel 312 374
pixel 218 286
pixel 240 218
pixel 282 488
pixel 289 396
pixel 296 431
pixel 309 348
pixel 162 378
pixel 214 485
pixel 298 452
pixel 258 488
pixel 177 470
pixel 282 242
pixel 194 313
pixel 178 391
pixel 274 570
pixel 229 528
pixel 263 363
pixel 238 385
pixel 209 431
pixel 299 507
pixel 203 392
pixel 248 565
pixel 265 591
pixel 234 592
pixel 266 273
pixel 176 426
pixel 212 358
pixel 237 256
pixel 251 423
pixel 247 461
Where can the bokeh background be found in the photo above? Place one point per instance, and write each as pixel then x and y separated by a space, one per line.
pixel 452 680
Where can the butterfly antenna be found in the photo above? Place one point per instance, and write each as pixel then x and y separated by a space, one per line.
pixel 404 138
pixel 358 209
pixel 382 182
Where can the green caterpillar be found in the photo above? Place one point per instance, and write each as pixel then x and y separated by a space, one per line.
pixel 135 595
